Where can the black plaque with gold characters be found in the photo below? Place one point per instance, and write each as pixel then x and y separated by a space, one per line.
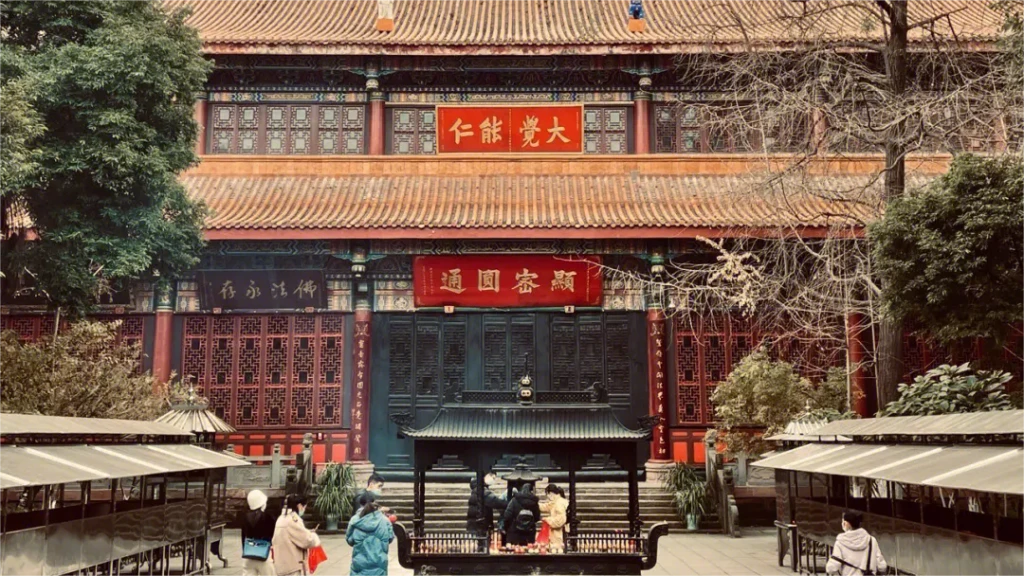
pixel 262 289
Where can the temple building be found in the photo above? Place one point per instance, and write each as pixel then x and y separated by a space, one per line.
pixel 411 199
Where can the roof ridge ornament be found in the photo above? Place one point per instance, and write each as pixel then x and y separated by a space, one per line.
pixel 525 395
pixel 385 15
pixel 649 422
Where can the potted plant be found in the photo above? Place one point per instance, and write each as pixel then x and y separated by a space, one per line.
pixel 336 490
pixel 689 494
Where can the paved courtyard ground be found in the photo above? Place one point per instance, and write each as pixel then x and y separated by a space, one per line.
pixel 753 554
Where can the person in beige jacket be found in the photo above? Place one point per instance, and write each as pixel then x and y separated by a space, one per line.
pixel 555 509
pixel 292 540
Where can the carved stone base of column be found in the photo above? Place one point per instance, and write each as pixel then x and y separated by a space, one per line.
pixel 363 470
pixel 657 470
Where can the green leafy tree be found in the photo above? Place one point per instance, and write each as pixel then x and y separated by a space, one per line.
pixel 950 390
pixel 950 257
pixel 758 394
pixel 114 84
pixel 19 124
pixel 830 399
pixel 79 372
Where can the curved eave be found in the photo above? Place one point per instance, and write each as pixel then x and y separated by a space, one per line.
pixel 214 48
pixel 590 233
pixel 483 423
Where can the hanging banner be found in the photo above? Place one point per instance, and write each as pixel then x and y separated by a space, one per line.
pixel 507 281
pixel 527 129
pixel 262 289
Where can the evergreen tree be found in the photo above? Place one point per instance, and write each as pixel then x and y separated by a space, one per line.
pixel 114 85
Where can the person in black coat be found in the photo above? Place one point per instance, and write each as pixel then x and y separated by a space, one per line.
pixel 474 510
pixel 257 524
pixel 521 517
pixel 492 502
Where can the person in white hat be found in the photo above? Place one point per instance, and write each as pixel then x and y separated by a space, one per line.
pixel 257 535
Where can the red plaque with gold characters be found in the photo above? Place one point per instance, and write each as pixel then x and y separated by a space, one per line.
pixel 507 281
pixel 508 129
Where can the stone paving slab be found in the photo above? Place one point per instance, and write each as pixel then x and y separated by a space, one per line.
pixel 712 554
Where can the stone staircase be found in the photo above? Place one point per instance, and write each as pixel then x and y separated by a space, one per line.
pixel 600 505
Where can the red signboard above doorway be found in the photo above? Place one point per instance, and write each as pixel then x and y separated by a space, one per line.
pixel 527 129
pixel 507 281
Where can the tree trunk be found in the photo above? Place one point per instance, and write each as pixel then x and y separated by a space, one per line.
pixel 889 354
pixel 888 361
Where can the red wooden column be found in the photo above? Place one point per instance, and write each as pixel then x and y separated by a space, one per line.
pixel 862 394
pixel 376 123
pixel 201 117
pixel 359 442
pixel 657 362
pixel 163 336
pixel 642 117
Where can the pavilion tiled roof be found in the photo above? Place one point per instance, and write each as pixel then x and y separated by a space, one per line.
pixel 560 26
pixel 522 205
pixel 485 422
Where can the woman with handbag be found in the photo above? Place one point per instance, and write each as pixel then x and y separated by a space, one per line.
pixel 292 541
pixel 257 534
pixel 555 508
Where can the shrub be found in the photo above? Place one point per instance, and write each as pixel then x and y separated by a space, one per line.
pixel 951 390
pixel 336 490
pixel 759 393
pixel 81 371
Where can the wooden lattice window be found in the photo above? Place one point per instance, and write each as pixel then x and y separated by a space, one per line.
pixel 705 355
pixel 268 371
pixel 287 129
pixel 691 128
pixel 413 131
pixel 605 130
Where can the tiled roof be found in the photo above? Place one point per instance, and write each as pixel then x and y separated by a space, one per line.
pixel 365 206
pixel 546 26
pixel 535 423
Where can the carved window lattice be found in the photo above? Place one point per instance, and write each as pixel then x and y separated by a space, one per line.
pixel 400 354
pixel 274 406
pixel 428 339
pixel 588 349
pixel 413 131
pixel 257 361
pixel 453 363
pixel 616 355
pixel 495 357
pixel 329 406
pixel 591 353
pixel 523 352
pixel 249 356
pixel 220 402
pixel 295 129
pixel 247 406
pixel 698 128
pixel 564 368
pixel 604 130
pixel 689 403
pixel 276 366
pixel 705 357
pixel 302 406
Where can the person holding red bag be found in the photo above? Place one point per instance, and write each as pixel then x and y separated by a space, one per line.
pixel 369 534
pixel 555 508
pixel 292 541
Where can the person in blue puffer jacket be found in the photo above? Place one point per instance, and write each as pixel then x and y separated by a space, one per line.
pixel 369 534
